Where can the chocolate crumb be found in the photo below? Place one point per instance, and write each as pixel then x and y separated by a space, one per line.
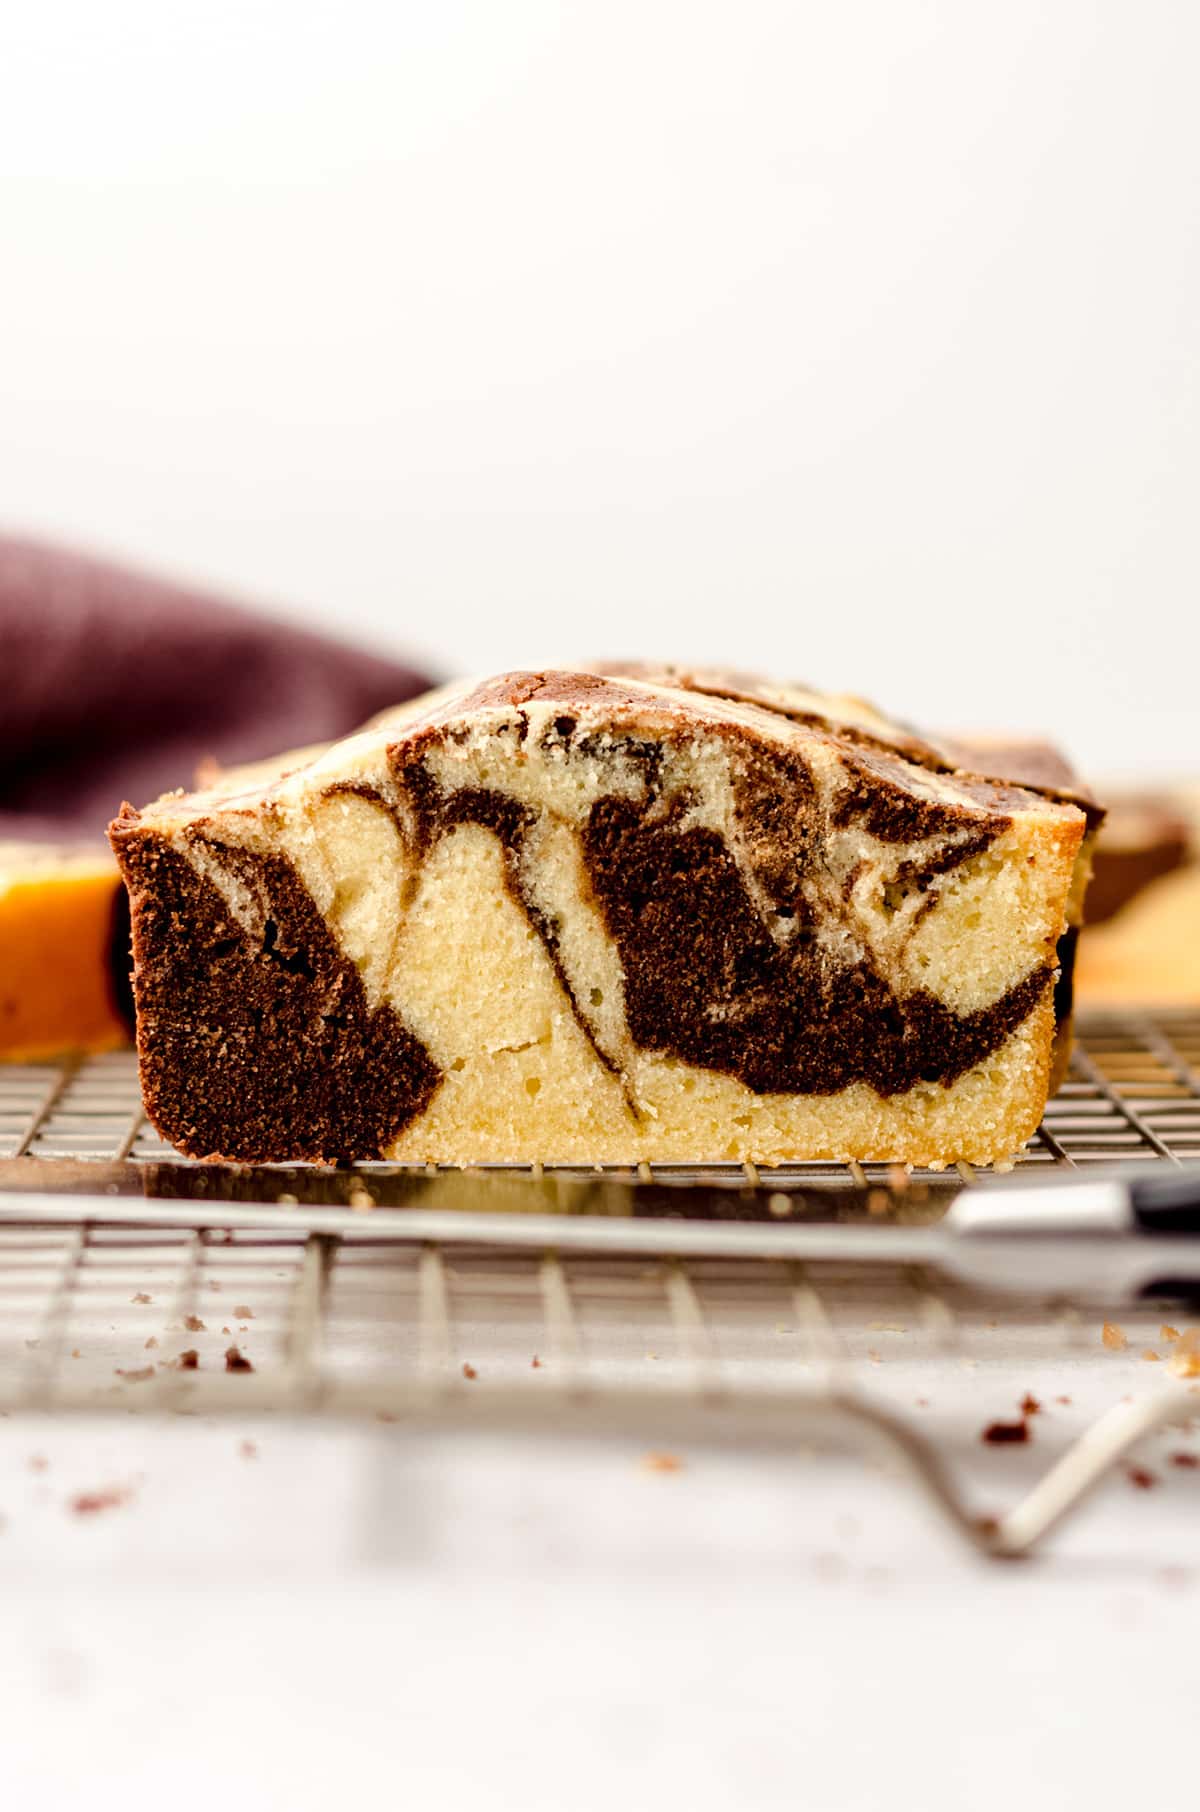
pixel 189 1360
pixel 141 1297
pixel 88 1503
pixel 138 1375
pixel 662 1462
pixel 1029 1405
pixel 194 1325
pixel 1001 1434
pixel 243 1314
pixel 469 1371
pixel 236 1360
pixel 1139 1478
pixel 1189 1461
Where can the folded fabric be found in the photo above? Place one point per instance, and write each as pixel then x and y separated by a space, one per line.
pixel 117 686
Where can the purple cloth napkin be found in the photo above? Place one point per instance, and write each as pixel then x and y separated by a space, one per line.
pixel 114 685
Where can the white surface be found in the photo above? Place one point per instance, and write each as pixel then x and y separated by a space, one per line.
pixel 858 341
pixel 357 1613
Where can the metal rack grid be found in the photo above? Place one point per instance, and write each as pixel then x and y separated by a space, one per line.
pixel 353 1313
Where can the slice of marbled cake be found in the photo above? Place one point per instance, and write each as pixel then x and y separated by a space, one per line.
pixel 600 918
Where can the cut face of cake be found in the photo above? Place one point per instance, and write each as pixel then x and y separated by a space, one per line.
pixel 603 918
pixel 63 951
pixel 1142 942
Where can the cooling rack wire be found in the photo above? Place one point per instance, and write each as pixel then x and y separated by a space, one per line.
pixel 186 1289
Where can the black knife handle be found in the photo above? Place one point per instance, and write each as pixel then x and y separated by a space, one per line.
pixel 1167 1203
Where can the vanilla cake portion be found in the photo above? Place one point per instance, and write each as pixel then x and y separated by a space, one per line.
pixel 603 918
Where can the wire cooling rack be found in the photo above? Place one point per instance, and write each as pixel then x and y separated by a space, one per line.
pixel 199 1289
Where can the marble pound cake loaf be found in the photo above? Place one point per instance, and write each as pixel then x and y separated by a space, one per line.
pixel 600 918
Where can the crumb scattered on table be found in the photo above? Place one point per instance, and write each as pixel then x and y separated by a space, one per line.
pixel 236 1360
pixel 1153 1357
pixel 194 1325
pixel 1004 1434
pixel 248 1450
pixel 1113 1337
pixel 1168 1333
pixel 151 1343
pixel 1140 1478
pixel 535 1363
pixel 662 1462
pixel 1029 1405
pixel 111 1497
pixel 1185 1459
pixel 141 1297
pixel 135 1375
pixel 242 1313
pixel 469 1372
pixel 188 1360
pixel 1065 1401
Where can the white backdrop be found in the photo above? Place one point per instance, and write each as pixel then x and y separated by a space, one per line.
pixel 857 341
